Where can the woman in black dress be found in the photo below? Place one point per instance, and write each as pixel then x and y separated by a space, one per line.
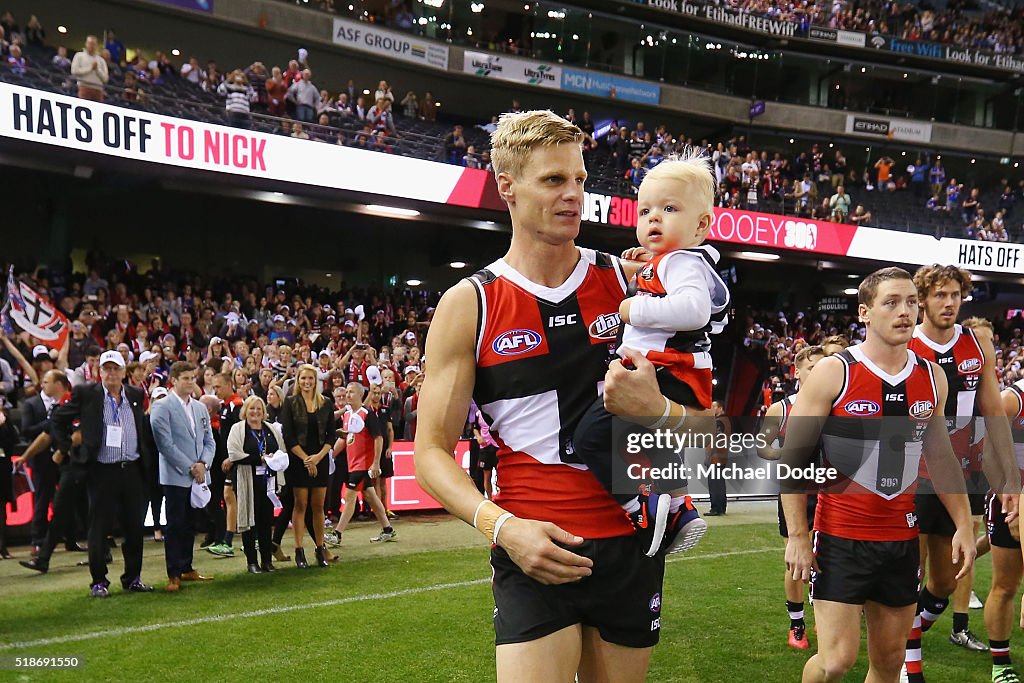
pixel 308 426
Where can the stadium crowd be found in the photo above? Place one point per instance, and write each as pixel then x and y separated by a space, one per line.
pixel 819 182
pixel 242 339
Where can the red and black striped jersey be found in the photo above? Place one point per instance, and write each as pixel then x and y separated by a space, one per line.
pixel 962 360
pixel 541 357
pixel 787 408
pixel 873 438
pixel 1017 423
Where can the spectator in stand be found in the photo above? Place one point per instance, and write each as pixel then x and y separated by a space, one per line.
pixel 635 175
pixel 238 95
pixel 935 203
pixel 998 228
pixel 300 134
pixel 428 107
pixel 90 69
pixel 455 146
pixel 937 178
pixel 305 95
pixel 360 110
pixel 131 92
pixel 343 105
pixel 860 216
pixel 383 92
pixel 969 207
pixel 410 105
pixel 953 191
pixel 840 205
pixel 192 72
pixel 5 46
pixel 276 93
pixel 115 47
pixel 293 74
pixel 17 63
pixel 60 60
pixel 257 76
pixel 884 168
pixel 381 118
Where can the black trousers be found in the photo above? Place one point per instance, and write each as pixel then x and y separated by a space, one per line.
pixel 717 492
pixel 180 533
pixel 116 492
pixel 44 477
pixel 67 510
pixel 263 519
pixel 216 509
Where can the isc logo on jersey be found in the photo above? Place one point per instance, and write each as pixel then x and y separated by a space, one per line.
pixel 922 410
pixel 969 366
pixel 605 327
pixel 516 341
pixel 862 408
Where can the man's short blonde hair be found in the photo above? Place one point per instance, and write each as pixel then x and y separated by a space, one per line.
pixel 518 134
pixel 693 169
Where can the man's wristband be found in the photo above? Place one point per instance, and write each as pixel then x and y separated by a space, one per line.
pixel 486 517
pixel 664 416
pixel 498 524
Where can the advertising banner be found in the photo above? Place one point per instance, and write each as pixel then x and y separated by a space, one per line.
pixel 68 122
pixel 512 69
pixel 613 87
pixel 365 37
pixel 890 129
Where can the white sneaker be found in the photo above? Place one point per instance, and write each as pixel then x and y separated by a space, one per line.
pixel 384 536
pixel 976 602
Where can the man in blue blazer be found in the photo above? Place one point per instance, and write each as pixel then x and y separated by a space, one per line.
pixel 184 441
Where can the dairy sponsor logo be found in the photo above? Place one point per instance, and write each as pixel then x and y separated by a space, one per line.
pixel 922 410
pixel 969 366
pixel 605 327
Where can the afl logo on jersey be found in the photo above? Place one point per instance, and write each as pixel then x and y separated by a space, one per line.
pixel 606 327
pixel 969 366
pixel 516 341
pixel 922 410
pixel 648 272
pixel 862 408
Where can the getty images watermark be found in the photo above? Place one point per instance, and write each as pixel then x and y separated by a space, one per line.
pixel 667 441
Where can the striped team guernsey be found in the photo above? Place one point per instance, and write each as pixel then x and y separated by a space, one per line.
pixel 1017 424
pixel 877 459
pixel 962 359
pixel 541 357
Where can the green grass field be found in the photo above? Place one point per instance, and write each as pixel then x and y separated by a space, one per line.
pixel 415 610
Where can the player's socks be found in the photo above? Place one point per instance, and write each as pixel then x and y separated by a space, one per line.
pixel 229 537
pixel 913 654
pixel 676 503
pixel 1000 654
pixel 931 608
pixel 631 505
pixel 796 613
pixel 960 622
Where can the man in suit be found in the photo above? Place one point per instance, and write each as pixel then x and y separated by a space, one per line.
pixel 184 441
pixel 35 419
pixel 112 423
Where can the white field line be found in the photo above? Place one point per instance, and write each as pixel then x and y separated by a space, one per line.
pixel 215 618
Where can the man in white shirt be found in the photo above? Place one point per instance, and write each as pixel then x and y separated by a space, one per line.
pixel 89 67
